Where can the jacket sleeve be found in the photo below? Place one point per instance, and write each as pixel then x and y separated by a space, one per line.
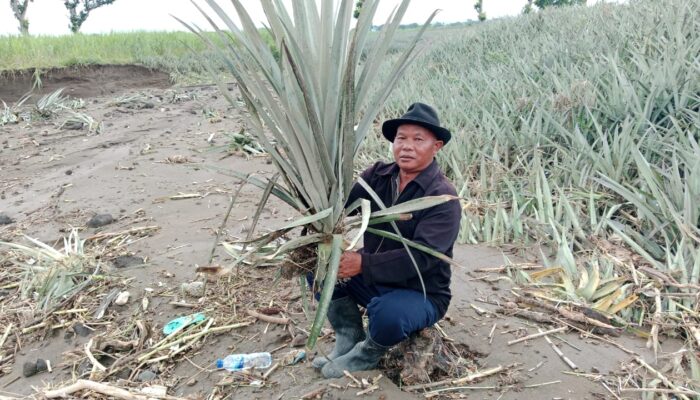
pixel 437 229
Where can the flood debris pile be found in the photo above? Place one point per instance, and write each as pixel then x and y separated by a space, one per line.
pixel 46 289
pixel 64 287
pixel 620 296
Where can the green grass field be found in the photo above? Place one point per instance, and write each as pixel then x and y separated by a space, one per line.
pixel 179 53
pixel 169 51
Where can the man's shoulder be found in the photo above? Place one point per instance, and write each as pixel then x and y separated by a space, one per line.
pixel 439 185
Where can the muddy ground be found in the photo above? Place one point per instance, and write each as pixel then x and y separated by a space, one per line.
pixel 52 179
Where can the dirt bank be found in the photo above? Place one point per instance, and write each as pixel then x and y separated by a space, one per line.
pixel 80 81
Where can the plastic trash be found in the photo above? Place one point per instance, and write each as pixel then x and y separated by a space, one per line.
pixel 182 322
pixel 238 362
pixel 294 357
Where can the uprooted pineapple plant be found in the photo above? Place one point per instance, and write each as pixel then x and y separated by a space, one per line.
pixel 317 101
pixel 47 276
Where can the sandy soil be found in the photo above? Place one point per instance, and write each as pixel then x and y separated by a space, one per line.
pixel 53 179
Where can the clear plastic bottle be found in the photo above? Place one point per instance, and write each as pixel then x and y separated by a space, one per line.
pixel 238 362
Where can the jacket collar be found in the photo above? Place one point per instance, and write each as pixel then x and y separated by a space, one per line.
pixel 424 179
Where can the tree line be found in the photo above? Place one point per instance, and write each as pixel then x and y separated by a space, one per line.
pixel 530 6
pixel 78 12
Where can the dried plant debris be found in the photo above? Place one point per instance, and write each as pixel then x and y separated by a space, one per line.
pixel 244 143
pixel 47 288
pixel 177 159
pixel 176 96
pixel 46 107
pixel 136 101
pixel 427 356
pixel 51 104
pixel 673 375
pixel 49 275
pixel 79 121
pixel 12 114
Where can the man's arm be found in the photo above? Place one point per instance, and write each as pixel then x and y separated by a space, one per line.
pixel 437 229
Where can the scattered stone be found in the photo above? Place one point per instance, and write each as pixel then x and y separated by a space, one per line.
pixel 123 374
pixel 69 172
pixel 41 365
pixel 194 289
pixel 146 376
pixel 73 125
pixel 81 330
pixel 127 261
pixel 29 369
pixel 100 220
pixel 32 368
pixel 191 382
pixel 299 340
pixel 5 219
pixel 122 298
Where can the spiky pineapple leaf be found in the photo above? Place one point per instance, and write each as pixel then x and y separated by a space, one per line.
pixel 418 204
pixel 537 275
pixel 587 290
pixel 622 304
pixel 327 290
pixel 366 210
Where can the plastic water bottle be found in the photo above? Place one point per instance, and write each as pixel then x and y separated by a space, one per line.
pixel 237 362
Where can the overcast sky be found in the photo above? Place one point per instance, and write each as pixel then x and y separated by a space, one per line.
pixel 51 17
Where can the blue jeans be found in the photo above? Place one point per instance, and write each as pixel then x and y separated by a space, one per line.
pixel 394 313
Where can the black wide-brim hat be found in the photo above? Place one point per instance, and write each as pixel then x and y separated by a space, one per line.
pixel 417 114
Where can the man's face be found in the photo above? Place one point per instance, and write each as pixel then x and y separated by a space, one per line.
pixel 415 147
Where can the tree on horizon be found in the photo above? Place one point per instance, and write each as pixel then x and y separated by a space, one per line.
pixel 479 7
pixel 79 11
pixel 542 4
pixel 19 10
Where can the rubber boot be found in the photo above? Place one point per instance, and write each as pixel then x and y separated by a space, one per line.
pixel 364 356
pixel 346 320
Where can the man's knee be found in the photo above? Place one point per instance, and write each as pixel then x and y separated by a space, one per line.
pixel 389 323
pixel 394 316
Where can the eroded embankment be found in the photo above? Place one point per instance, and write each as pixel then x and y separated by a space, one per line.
pixel 80 81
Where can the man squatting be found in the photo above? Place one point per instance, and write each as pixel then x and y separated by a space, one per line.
pixel 383 278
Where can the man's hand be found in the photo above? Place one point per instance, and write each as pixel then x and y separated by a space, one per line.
pixel 350 264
